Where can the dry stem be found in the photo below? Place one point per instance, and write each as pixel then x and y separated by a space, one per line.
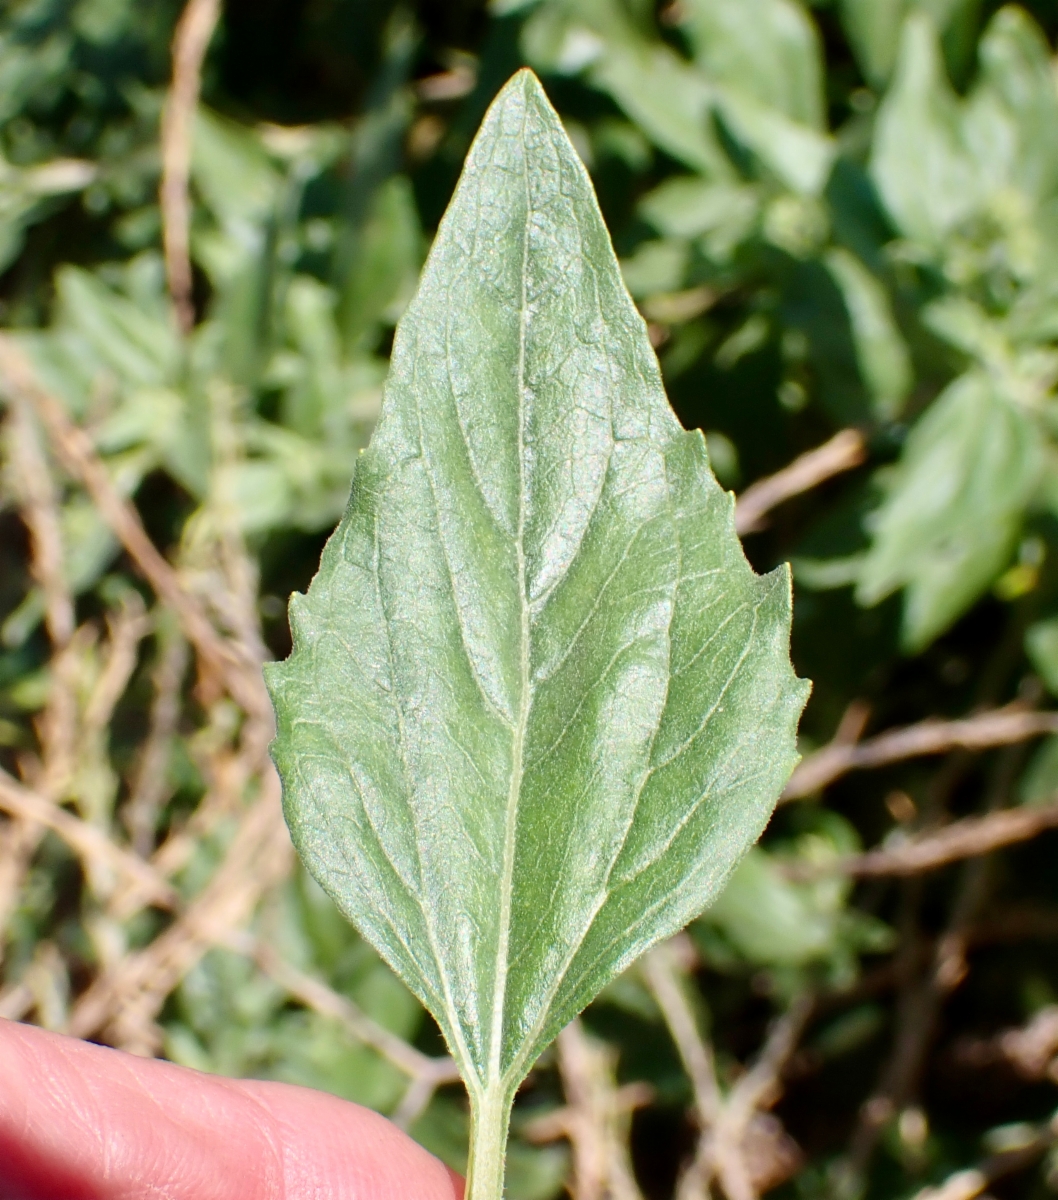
pixel 999 727
pixel 595 1119
pixel 844 451
pixel 968 838
pixel 740 1144
pixel 426 1074
pixel 191 39
pixel 150 786
pixel 75 449
pixel 89 843
pixel 126 1001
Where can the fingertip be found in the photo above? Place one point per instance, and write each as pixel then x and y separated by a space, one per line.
pixel 83 1122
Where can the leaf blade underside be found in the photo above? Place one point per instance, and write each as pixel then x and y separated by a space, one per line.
pixel 538 704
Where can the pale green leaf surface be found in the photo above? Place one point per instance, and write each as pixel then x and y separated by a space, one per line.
pixel 1039 784
pixel 920 162
pixel 1011 121
pixel 953 507
pixel 669 100
pixel 687 207
pixel 232 171
pixel 767 49
pixel 1041 644
pixel 873 29
pixel 539 705
pixel 657 266
pixel 795 154
pixel 773 920
pixel 881 352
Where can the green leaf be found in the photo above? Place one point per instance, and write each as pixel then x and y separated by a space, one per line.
pixel 773 920
pixel 920 163
pixel 797 155
pixel 767 49
pixel 1012 114
pixel 657 266
pixel 667 97
pixel 136 345
pixel 1039 784
pixel 539 704
pixel 720 215
pixel 25 196
pixel 233 173
pixel 1041 645
pixel 954 506
pixel 873 29
pixel 763 60
pixel 881 353
pixel 386 263
pixel 669 100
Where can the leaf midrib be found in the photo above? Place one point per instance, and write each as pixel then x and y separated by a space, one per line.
pixel 494 1074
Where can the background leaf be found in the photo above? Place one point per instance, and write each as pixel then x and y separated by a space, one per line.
pixel 919 159
pixel 953 506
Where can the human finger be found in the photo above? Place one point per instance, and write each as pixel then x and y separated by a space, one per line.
pixel 84 1122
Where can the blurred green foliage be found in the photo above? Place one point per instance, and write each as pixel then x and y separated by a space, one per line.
pixel 833 214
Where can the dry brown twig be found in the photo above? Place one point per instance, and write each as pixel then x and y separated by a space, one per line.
pixel 135 994
pixel 740 1145
pixel 665 975
pixel 15 1002
pixel 48 982
pixel 967 838
pixel 126 1001
pixel 88 842
pixel 75 450
pixel 150 787
pixel 127 994
pixel 38 496
pixel 922 997
pixel 39 500
pixel 843 452
pixel 426 1074
pixel 191 39
pixel 966 1185
pixel 984 731
pixel 1031 1049
pixel 127 627
pixel 595 1119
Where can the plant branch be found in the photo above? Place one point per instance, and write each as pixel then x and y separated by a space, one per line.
pixel 315 994
pixel 965 1185
pixel 922 999
pixel 999 727
pixel 77 453
pixel 967 838
pixel 844 451
pixel 39 501
pixel 150 785
pixel 90 844
pixel 663 976
pixel 191 39
pixel 125 1001
pixel 739 1144
pixel 595 1119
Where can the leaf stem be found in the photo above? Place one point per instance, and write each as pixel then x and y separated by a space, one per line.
pixel 490 1120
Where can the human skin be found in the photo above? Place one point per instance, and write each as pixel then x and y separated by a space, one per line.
pixel 83 1122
